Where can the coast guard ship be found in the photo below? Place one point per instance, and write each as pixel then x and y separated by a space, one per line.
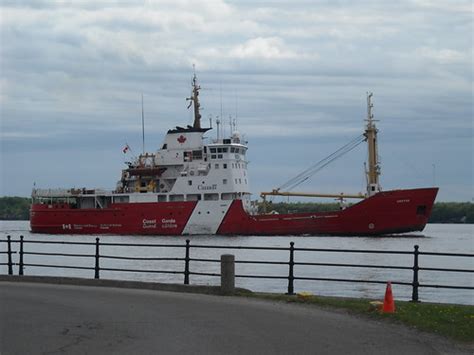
pixel 192 185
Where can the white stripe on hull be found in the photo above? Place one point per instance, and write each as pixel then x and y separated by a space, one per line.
pixel 207 216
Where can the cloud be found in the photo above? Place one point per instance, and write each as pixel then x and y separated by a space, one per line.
pixel 267 48
pixel 74 71
pixel 442 56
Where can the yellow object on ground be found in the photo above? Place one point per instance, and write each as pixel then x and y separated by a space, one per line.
pixel 376 305
pixel 304 295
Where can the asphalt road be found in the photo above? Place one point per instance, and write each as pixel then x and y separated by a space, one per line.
pixel 59 319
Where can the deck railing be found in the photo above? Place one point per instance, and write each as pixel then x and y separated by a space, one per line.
pixel 186 271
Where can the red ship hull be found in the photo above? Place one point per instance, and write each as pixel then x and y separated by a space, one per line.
pixel 387 212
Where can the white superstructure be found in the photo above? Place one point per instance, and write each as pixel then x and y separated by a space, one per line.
pixel 187 169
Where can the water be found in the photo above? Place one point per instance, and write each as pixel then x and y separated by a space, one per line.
pixel 452 238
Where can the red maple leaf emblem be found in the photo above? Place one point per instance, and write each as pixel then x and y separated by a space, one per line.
pixel 181 139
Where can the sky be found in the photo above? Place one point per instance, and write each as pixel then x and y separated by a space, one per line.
pixel 294 75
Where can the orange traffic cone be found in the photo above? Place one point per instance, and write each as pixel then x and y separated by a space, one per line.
pixel 388 302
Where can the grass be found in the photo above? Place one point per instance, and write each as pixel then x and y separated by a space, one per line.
pixel 449 320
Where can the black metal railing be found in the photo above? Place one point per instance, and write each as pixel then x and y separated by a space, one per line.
pixel 187 259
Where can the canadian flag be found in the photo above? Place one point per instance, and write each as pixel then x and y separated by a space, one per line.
pixel 124 150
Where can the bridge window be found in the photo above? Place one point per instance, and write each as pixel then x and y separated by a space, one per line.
pixel 193 197
pixel 211 197
pixel 213 150
pixel 224 181
pixel 197 154
pixel 228 196
pixel 176 197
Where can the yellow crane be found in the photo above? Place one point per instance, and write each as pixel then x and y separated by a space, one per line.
pixel 372 173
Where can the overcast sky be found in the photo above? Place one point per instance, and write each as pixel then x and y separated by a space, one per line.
pixel 294 73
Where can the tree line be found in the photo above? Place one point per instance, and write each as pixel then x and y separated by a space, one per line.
pixel 18 208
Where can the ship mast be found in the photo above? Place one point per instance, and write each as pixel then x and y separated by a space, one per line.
pixel 371 135
pixel 194 100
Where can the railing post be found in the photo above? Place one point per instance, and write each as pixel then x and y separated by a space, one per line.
pixel 97 255
pixel 227 274
pixel 291 290
pixel 186 264
pixel 415 284
pixel 9 251
pixel 20 264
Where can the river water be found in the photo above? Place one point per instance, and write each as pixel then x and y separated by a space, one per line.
pixel 449 238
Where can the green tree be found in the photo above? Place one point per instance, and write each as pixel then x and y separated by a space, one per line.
pixel 14 208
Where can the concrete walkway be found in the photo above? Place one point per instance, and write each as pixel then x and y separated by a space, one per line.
pixel 64 319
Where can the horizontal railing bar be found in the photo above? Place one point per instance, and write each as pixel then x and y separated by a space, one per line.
pixel 243 276
pixel 6 252
pixel 356 251
pixel 444 254
pixel 58 254
pixel 139 258
pixel 101 243
pixel 236 247
pixel 143 245
pixel 263 277
pixel 243 261
pixel 241 247
pixel 51 242
pixel 351 280
pixel 448 270
pixel 205 260
pixel 447 286
pixel 142 271
pixel 203 274
pixel 59 266
pixel 261 262
pixel 357 265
